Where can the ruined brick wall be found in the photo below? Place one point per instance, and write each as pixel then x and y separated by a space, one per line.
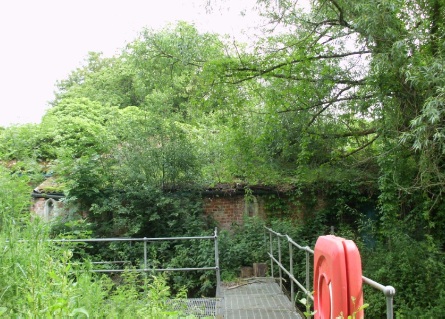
pixel 47 209
pixel 38 206
pixel 226 211
pixel 230 210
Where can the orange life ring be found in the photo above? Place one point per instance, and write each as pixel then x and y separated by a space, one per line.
pixel 337 278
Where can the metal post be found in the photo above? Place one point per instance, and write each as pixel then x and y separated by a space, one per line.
pixel 389 307
pixel 265 240
pixel 279 260
pixel 307 273
pixel 145 253
pixel 389 292
pixel 271 253
pixel 218 275
pixel 291 270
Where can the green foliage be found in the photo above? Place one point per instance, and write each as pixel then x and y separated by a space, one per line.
pixel 308 313
pixel 169 63
pixel 195 254
pixel 37 277
pixel 19 142
pixel 76 126
pixel 156 152
pixel 109 81
pixel 357 309
pixel 146 211
pixel 248 243
pixel 14 199
pixel 243 246
pixel 344 105
pixel 415 268
pixel 41 280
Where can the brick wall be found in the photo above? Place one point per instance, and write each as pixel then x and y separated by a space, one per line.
pixel 230 210
pixel 225 210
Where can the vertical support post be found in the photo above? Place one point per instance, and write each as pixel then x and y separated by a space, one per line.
pixel 389 307
pixel 271 253
pixel 265 241
pixel 279 260
pixel 145 253
pixel 218 275
pixel 291 270
pixel 307 274
pixel 389 292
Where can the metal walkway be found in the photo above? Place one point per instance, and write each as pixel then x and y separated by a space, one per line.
pixel 197 307
pixel 256 298
pixel 252 298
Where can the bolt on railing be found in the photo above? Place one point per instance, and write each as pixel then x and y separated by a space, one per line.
pixel 388 291
pixel 146 240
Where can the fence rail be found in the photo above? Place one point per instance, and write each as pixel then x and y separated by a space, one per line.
pixel 146 240
pixel 388 291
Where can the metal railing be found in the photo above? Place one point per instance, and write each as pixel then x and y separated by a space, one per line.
pixel 388 291
pixel 146 240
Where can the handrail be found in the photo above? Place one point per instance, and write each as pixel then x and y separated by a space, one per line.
pixel 306 289
pixel 388 291
pixel 146 240
pixel 89 240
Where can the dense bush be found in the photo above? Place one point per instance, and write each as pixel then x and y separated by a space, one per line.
pixel 415 268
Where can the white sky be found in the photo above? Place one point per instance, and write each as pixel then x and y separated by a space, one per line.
pixel 41 41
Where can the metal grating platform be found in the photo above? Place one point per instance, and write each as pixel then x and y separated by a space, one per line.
pixel 257 298
pixel 199 307
pixel 254 298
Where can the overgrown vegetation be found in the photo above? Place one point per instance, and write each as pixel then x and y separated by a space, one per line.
pixel 41 280
pixel 340 107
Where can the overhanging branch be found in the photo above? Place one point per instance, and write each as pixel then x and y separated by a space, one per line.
pixel 366 132
pixel 361 147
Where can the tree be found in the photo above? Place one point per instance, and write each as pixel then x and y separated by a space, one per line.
pixel 109 81
pixel 169 65
pixel 343 82
pixel 152 151
pixel 138 155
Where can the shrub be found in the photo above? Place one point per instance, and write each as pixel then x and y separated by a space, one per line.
pixel 417 271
